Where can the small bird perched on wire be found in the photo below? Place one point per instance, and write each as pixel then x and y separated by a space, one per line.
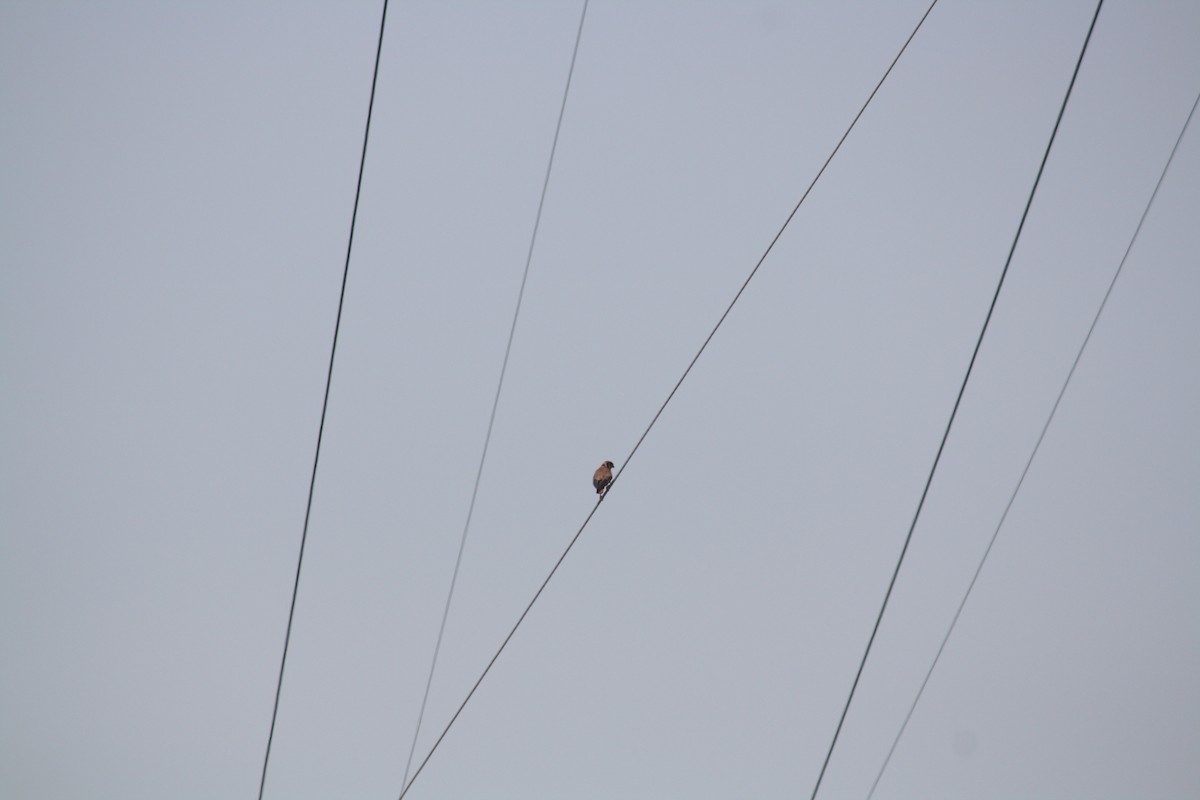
pixel 603 477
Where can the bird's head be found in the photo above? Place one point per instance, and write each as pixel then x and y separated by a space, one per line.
pixel 608 464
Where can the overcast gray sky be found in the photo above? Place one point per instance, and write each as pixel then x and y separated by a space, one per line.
pixel 176 182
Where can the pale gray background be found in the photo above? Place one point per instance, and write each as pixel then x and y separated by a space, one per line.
pixel 176 183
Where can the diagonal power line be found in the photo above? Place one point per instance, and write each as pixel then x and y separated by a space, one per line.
pixel 679 383
pixel 1021 480
pixel 957 402
pixel 325 403
pixel 537 221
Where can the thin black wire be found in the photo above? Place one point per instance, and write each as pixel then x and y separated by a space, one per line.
pixel 1020 481
pixel 957 401
pixel 325 403
pixel 771 246
pixel 537 221
pixel 578 533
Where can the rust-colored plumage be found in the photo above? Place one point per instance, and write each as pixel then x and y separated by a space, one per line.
pixel 603 477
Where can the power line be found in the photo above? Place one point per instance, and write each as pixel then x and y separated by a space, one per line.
pixel 642 438
pixel 957 401
pixel 1020 481
pixel 782 228
pixel 325 403
pixel 537 221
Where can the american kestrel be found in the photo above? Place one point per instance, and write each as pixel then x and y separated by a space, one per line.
pixel 603 477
